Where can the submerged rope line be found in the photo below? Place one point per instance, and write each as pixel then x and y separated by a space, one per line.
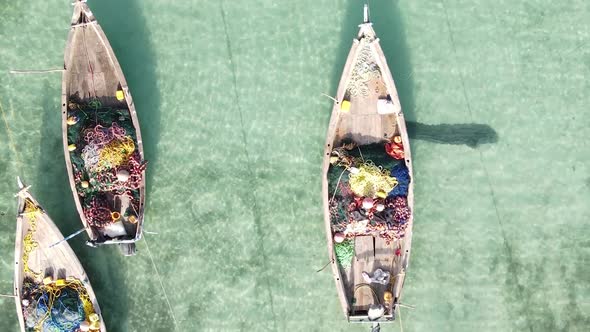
pixel 401 327
pixel 161 284
pixel 252 177
pixel 481 158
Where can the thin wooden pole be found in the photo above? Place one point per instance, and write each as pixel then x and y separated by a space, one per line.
pixel 67 238
pixel 39 71
pixel 405 305
pixel 334 99
pixel 320 270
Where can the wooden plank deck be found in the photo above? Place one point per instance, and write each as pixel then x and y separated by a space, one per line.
pixel 371 253
pixel 363 261
pixel 362 124
pixel 91 73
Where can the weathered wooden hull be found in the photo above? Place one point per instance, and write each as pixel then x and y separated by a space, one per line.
pixel 92 73
pixel 364 125
pixel 57 262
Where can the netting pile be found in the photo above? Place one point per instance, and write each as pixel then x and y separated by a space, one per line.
pixel 365 70
pixel 368 198
pixel 30 212
pixel 55 308
pixel 344 252
pixel 105 160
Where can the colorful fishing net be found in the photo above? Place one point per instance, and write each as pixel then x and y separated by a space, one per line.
pixel 106 148
pixel 55 307
pixel 106 162
pixel 365 198
pixel 98 211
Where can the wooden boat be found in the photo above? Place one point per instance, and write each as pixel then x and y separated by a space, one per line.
pixel 367 112
pixel 46 272
pixel 101 135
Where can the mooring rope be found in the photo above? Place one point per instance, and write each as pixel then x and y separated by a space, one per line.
pixel 161 284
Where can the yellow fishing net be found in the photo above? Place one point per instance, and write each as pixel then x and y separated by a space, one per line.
pixel 369 180
pixel 115 153
pixel 29 244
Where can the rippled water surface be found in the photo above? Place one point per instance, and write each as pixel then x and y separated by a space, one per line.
pixel 228 96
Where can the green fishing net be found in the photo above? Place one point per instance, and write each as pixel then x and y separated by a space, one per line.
pixel 344 253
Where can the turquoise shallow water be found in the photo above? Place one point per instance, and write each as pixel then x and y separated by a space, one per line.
pixel 228 95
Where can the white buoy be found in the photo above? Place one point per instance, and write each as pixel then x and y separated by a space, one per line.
pixel 376 311
pixel 339 237
pixel 84 326
pixel 368 203
pixel 122 175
